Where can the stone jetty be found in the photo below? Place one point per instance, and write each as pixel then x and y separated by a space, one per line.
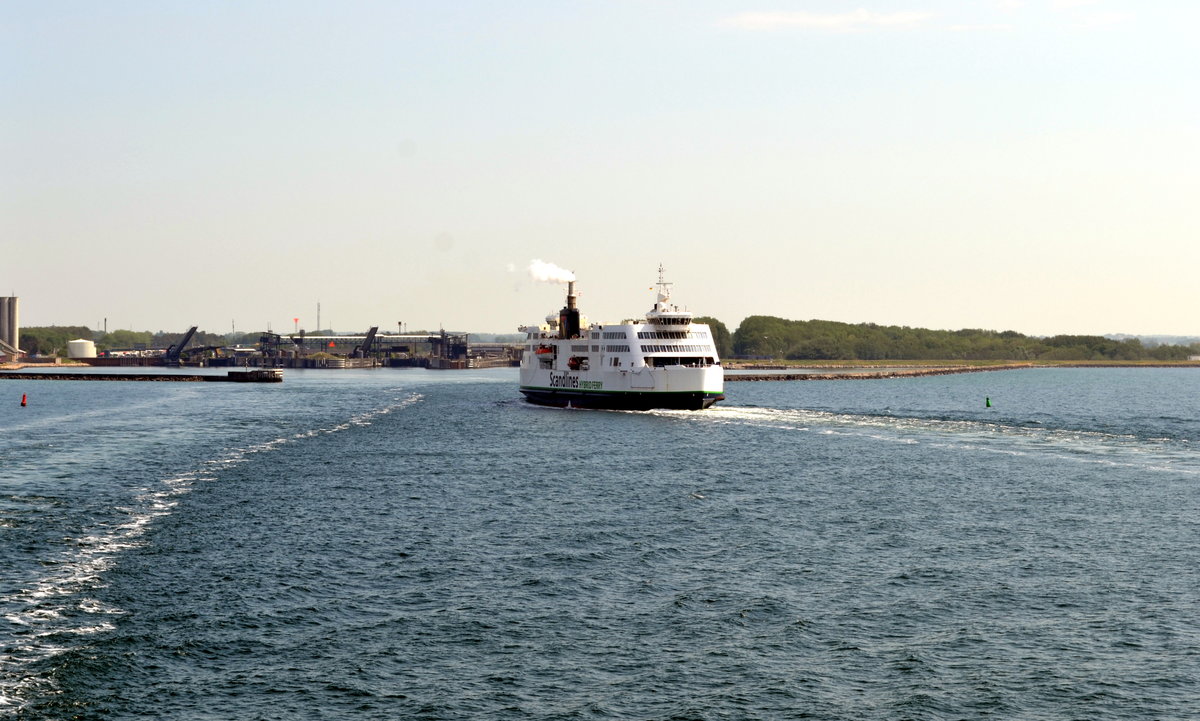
pixel 261 375
pixel 870 374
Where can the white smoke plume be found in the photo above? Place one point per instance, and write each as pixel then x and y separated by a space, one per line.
pixel 549 272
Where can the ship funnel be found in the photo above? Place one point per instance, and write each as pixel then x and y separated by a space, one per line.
pixel 568 317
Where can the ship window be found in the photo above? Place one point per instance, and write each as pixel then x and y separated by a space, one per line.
pixel 614 335
pixel 687 361
pixel 616 349
pixel 671 335
pixel 579 349
pixel 674 348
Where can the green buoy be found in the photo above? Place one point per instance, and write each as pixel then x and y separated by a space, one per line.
pixel 987 401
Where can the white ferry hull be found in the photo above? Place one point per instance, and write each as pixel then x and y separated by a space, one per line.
pixel 669 387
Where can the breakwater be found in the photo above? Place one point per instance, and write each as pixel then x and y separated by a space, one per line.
pixel 252 376
pixel 870 375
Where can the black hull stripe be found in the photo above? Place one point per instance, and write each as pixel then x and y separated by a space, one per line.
pixel 622 400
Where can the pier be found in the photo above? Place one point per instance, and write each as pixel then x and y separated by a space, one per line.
pixel 868 374
pixel 258 375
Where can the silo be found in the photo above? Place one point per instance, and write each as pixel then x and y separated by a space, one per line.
pixel 10 321
pixel 80 348
pixel 4 334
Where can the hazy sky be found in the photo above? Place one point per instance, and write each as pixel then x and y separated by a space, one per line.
pixel 1029 165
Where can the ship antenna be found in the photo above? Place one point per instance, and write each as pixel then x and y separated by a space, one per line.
pixel 664 289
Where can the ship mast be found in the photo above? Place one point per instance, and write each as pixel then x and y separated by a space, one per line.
pixel 664 290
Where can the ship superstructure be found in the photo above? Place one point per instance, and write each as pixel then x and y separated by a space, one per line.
pixel 667 361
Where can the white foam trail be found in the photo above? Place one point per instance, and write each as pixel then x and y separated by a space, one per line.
pixel 987 437
pixel 39 608
pixel 544 272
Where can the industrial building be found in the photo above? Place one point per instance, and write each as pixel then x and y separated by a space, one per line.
pixel 373 349
pixel 441 350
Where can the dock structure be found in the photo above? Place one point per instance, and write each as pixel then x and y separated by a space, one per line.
pixel 442 350
pixel 171 357
pixel 258 375
pixel 371 342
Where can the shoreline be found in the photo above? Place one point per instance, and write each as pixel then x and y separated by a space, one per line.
pixel 893 371
pixel 868 375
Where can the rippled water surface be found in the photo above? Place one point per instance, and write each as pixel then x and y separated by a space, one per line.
pixel 421 545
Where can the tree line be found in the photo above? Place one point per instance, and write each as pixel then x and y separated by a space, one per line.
pixel 762 336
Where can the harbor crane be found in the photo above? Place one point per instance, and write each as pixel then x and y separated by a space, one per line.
pixel 171 357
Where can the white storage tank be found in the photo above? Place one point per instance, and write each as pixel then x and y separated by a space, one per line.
pixel 80 348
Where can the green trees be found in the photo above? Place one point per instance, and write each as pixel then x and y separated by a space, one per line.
pixel 762 336
pixel 126 340
pixel 52 339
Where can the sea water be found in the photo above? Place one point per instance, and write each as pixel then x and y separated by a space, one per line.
pixel 426 545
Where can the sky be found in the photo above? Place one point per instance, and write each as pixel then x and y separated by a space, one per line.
pixel 1027 165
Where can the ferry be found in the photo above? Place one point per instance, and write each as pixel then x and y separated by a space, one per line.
pixel 667 361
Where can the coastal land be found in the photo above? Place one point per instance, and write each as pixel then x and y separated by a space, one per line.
pixel 739 371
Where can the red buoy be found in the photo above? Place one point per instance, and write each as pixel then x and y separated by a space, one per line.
pixel 22 400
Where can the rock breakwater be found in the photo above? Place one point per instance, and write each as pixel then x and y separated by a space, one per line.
pixel 870 375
